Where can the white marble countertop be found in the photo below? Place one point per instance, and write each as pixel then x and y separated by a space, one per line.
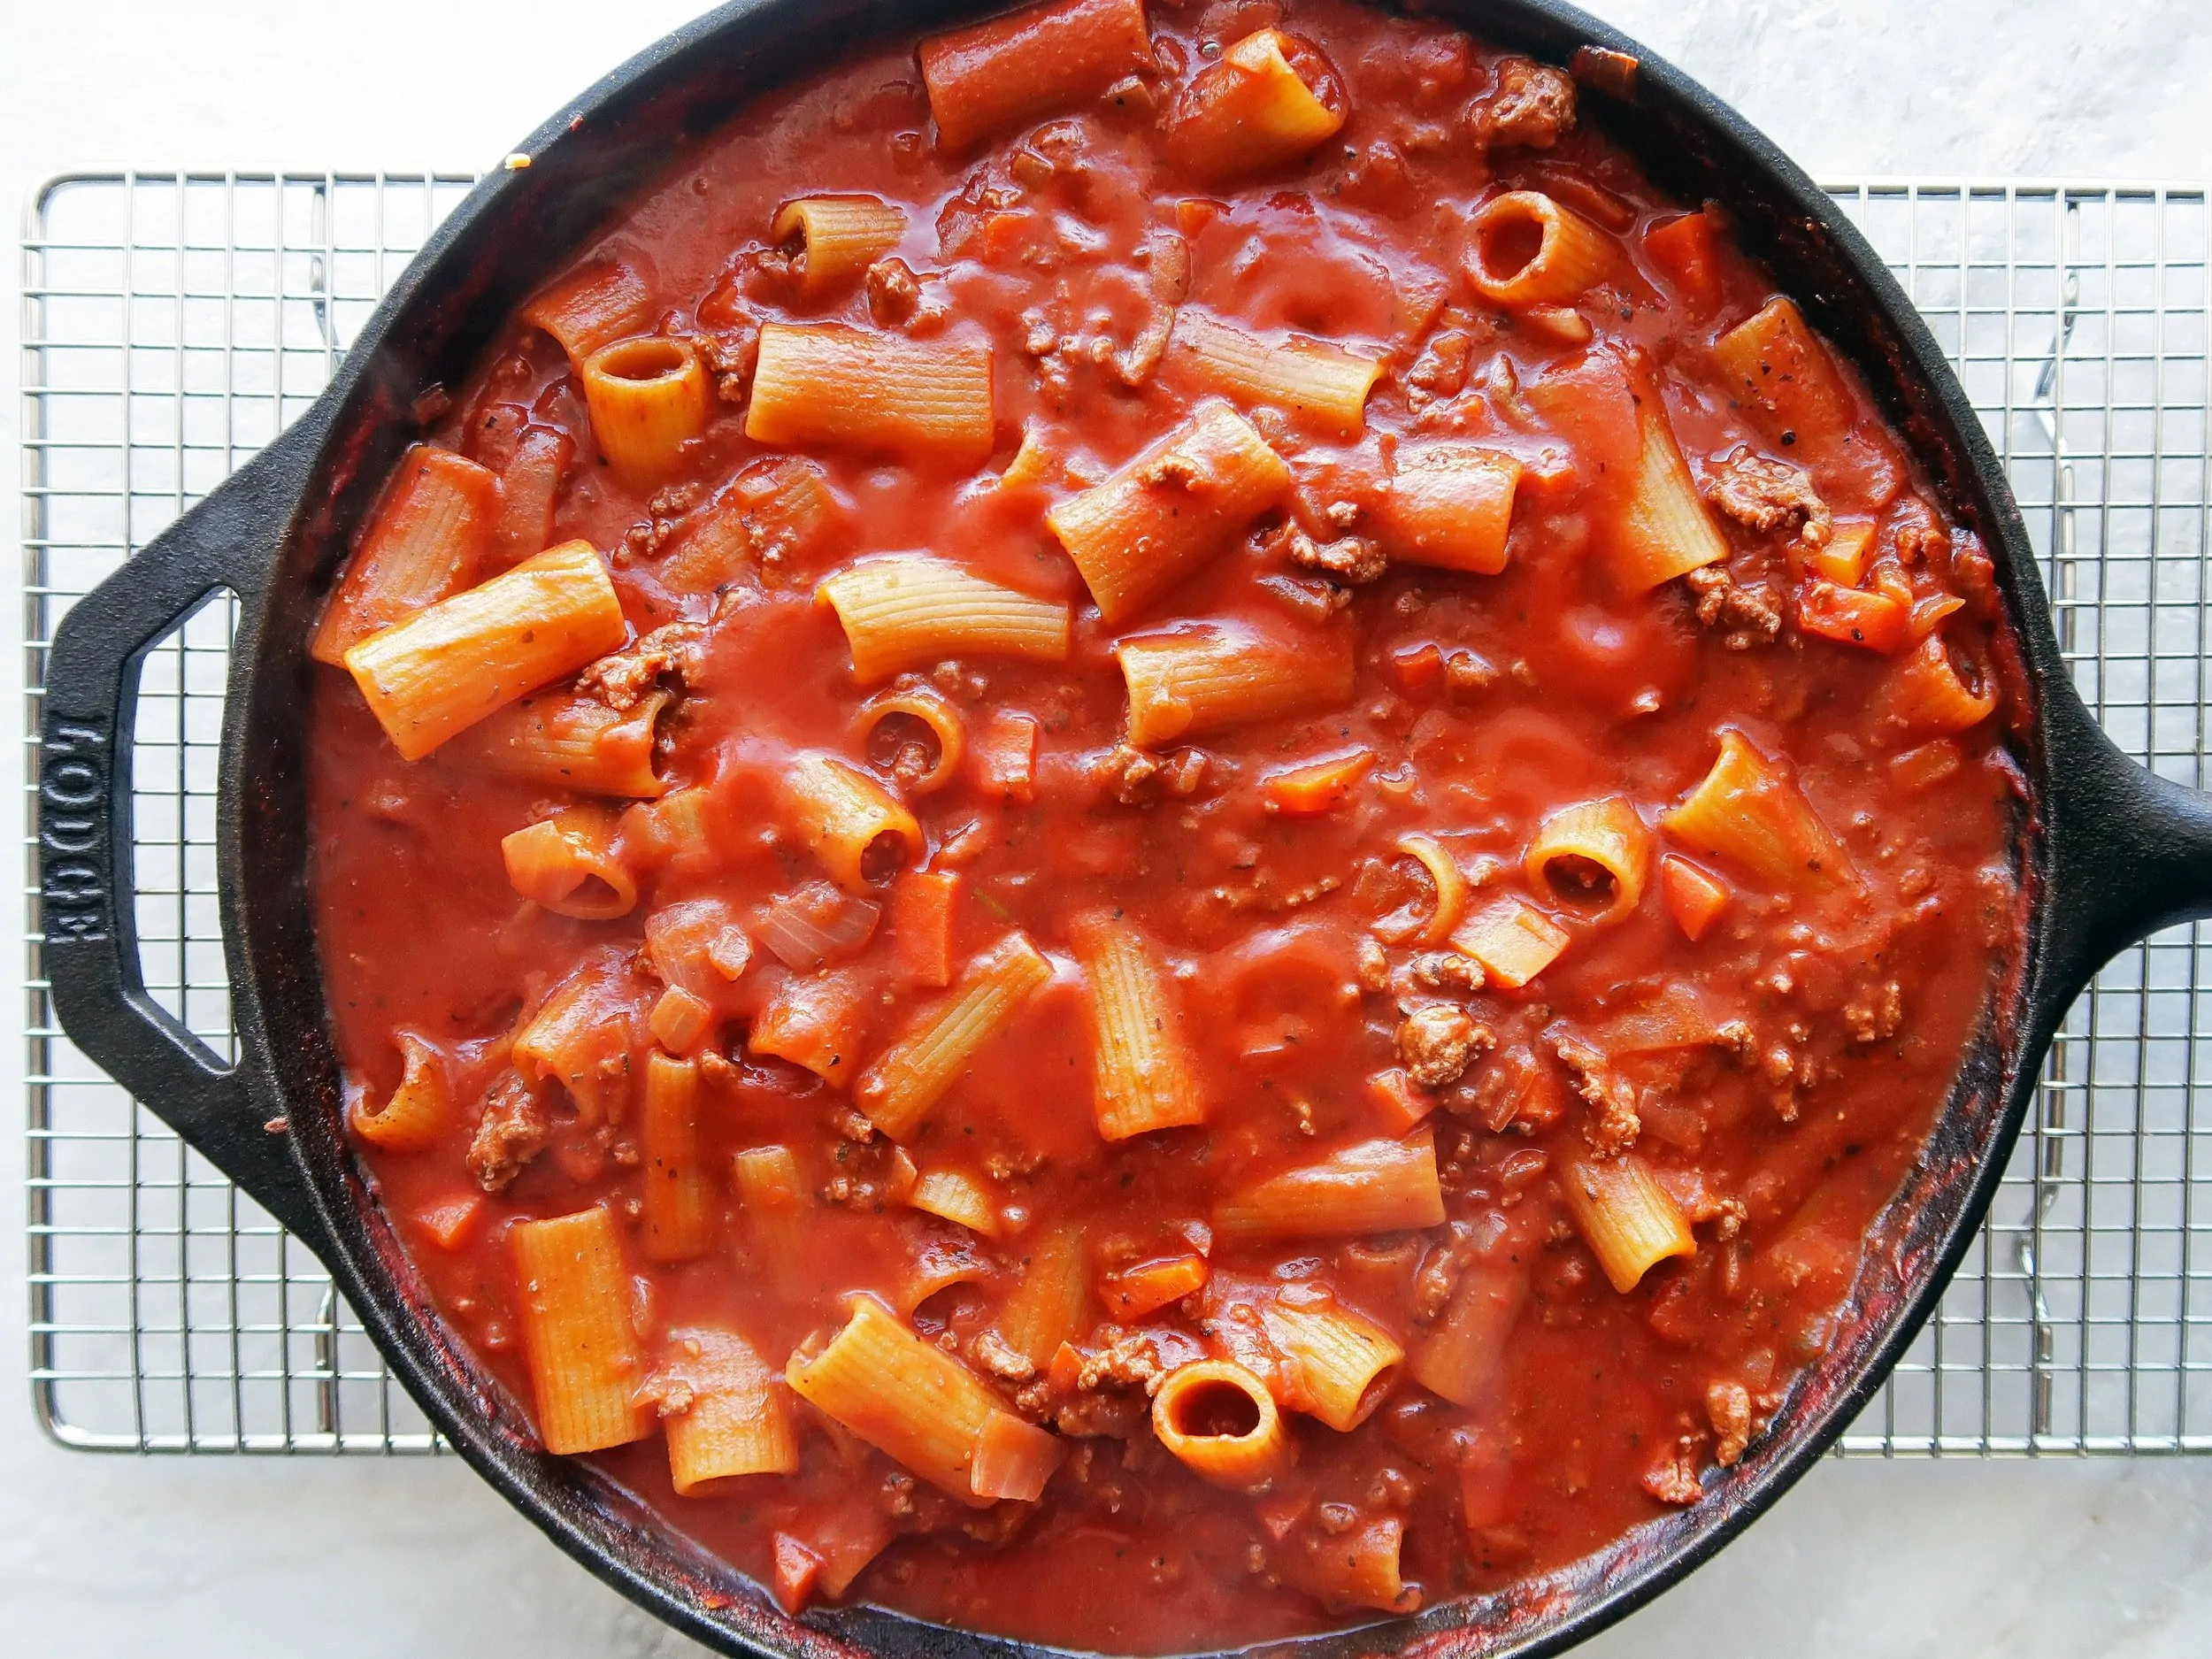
pixel 186 1558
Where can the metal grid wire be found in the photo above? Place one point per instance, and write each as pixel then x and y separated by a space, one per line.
pixel 173 322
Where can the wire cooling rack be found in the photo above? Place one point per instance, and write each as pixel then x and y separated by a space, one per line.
pixel 174 322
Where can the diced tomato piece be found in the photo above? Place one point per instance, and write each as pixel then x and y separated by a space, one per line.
pixel 1067 1365
pixel 924 918
pixel 1694 899
pixel 1004 234
pixel 1853 616
pixel 1318 786
pixel 1005 755
pixel 1683 250
pixel 450 1221
pixel 1282 1511
pixel 1416 668
pixel 798 1570
pixel 1843 561
pixel 1401 1103
pixel 1193 213
pixel 1146 1288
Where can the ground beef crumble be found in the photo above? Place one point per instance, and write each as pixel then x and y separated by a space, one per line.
pixel 1353 558
pixel 1614 1124
pixel 620 680
pixel 1140 779
pixel 1751 616
pixel 511 1132
pixel 1532 105
pixel 664 512
pixel 1768 496
pixel 1728 1407
pixel 1436 1041
pixel 730 354
pixel 1876 1013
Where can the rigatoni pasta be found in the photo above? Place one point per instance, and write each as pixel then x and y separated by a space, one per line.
pixel 446 667
pixel 901 1083
pixel 592 306
pixel 649 398
pixel 1664 530
pixel 995 75
pixel 1144 1079
pixel 569 863
pixel 574 1305
pixel 1525 249
pixel 736 1416
pixel 835 386
pixel 1270 100
pixel 1221 1422
pixel 1164 514
pixel 1307 379
pixel 838 237
pixel 429 539
pixel 1630 1221
pixel 1370 1187
pixel 1202 681
pixel 561 740
pixel 1451 506
pixel 1749 811
pixel 903 610
pixel 848 821
pixel 902 1395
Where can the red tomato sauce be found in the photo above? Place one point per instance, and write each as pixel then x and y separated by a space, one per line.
pixel 1835 1017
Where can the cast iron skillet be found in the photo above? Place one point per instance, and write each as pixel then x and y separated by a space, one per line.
pixel 2105 852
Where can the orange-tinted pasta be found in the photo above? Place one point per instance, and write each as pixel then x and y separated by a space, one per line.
pixel 1268 103
pixel 649 398
pixel 1304 378
pixel 1451 505
pixel 837 387
pixel 995 75
pixel 574 1304
pixel 561 740
pixel 1198 681
pixel 1164 514
pixel 1525 249
pixel 429 538
pixel 1221 1420
pixel 902 611
pixel 443 668
pixel 838 237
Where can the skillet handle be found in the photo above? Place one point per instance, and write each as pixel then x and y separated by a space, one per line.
pixel 86 880
pixel 2131 852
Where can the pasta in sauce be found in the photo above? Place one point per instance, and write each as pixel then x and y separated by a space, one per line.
pixel 1157 831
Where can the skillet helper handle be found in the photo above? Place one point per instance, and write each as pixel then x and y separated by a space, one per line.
pixel 86 879
pixel 2131 852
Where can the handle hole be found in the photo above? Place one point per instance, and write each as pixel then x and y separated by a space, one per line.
pixel 176 753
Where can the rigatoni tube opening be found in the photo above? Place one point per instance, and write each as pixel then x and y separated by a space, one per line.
pixel 862 835
pixel 1270 101
pixel 1591 858
pixel 648 398
pixel 1626 1216
pixel 1525 249
pixel 1221 1422
pixel 836 237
